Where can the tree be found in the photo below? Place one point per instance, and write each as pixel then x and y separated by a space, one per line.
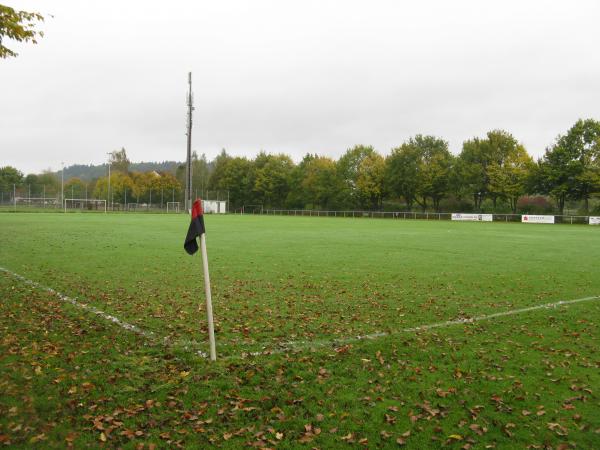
pixel 509 178
pixel 201 171
pixel 420 169
pixel 434 169
pixel 272 183
pixel 9 176
pixel 235 175
pixel 19 26
pixel 570 169
pixel 348 170
pixel 118 161
pixel 582 143
pixel 49 182
pixel 370 180
pixel 475 160
pixel 121 185
pixel 401 172
pixel 297 197
pixel 321 183
pixel 75 187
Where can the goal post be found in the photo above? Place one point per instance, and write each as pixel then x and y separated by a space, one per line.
pixel 173 207
pixel 83 204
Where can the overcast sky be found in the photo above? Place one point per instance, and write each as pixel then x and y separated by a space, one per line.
pixel 293 76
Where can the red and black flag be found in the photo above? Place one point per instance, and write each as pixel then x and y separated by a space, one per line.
pixel 196 228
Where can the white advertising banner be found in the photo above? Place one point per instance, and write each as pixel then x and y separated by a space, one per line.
pixel 530 218
pixel 473 217
pixel 594 220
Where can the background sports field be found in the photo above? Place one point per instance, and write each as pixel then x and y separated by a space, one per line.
pixel 298 291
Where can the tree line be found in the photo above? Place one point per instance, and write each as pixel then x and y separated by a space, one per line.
pixel 422 173
pixel 492 173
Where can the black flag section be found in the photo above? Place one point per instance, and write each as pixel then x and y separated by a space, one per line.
pixel 196 228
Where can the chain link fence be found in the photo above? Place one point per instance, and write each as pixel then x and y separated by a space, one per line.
pixel 403 215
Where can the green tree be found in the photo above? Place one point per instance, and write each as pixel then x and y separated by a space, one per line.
pixel 401 174
pixel 582 142
pixel 322 183
pixel 475 160
pixel 297 197
pixel 370 180
pixel 201 170
pixel 419 170
pixel 235 175
pixel 348 169
pixel 18 26
pixel 121 185
pixel 49 183
pixel 509 179
pixel 570 169
pixel 434 170
pixel 272 183
pixel 9 176
pixel 75 188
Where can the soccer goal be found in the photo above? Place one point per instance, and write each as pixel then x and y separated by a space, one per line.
pixel 37 202
pixel 173 207
pixel 84 204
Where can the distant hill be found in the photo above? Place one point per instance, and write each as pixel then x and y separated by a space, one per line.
pixel 90 172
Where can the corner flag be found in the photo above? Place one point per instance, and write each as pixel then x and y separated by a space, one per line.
pixel 196 229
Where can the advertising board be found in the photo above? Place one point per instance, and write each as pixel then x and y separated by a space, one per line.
pixel 473 217
pixel 531 218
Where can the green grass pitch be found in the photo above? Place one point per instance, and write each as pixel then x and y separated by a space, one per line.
pixel 290 297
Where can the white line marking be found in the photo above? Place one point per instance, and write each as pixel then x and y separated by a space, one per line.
pixel 447 323
pixel 73 301
pixel 285 346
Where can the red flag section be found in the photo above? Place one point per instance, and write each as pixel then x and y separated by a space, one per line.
pixel 195 229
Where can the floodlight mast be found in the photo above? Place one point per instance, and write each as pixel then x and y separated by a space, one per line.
pixel 188 177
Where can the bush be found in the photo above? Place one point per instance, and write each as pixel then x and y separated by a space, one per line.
pixel 534 205
pixel 452 204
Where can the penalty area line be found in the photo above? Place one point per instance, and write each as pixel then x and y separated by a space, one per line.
pixel 91 309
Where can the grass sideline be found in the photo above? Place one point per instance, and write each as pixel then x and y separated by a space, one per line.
pixel 70 378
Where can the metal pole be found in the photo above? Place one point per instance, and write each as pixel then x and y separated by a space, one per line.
pixel 108 192
pixel 161 198
pixel 62 183
pixel 188 178
pixel 150 203
pixel 15 196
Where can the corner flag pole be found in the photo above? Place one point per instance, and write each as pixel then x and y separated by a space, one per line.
pixel 209 312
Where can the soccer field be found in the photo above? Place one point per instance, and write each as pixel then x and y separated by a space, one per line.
pixel 329 332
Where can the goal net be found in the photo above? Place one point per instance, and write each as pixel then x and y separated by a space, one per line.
pixel 84 204
pixel 36 202
pixel 173 207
